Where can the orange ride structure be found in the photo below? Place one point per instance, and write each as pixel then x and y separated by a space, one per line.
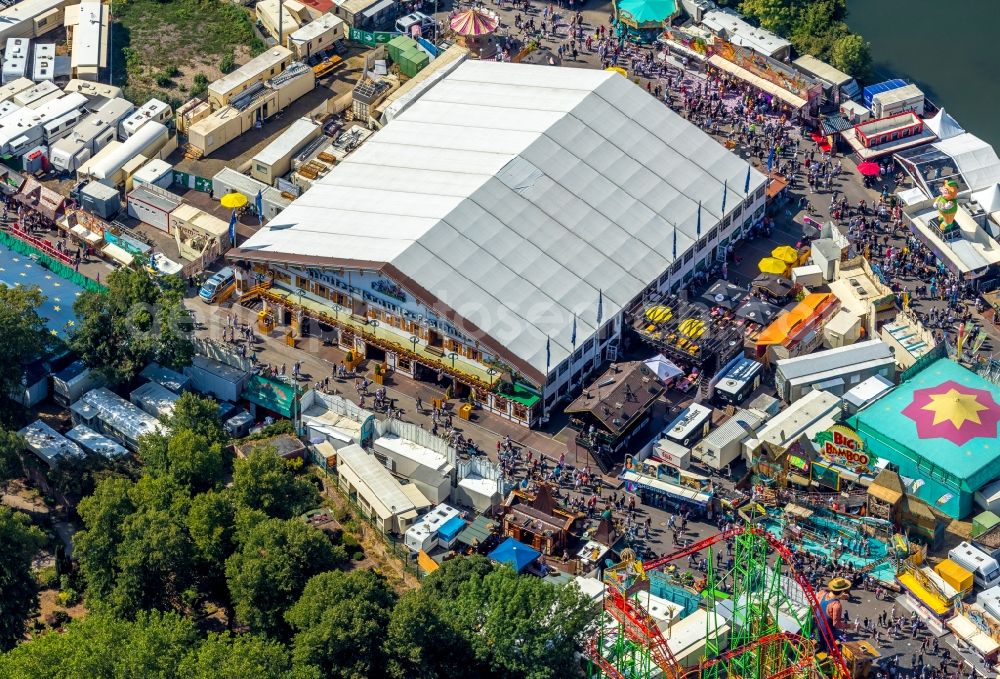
pixel 743 637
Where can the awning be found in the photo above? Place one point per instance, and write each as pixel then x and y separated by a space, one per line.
pixel 758 82
pixel 120 255
pixel 86 234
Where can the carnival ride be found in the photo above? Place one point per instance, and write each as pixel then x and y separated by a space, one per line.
pixel 762 630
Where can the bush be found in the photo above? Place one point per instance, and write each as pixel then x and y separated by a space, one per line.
pixel 359 556
pixel 200 81
pixel 228 63
pixel 341 514
pixel 350 542
pixel 47 578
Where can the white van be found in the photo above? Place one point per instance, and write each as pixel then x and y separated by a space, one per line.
pixel 983 567
pixel 405 24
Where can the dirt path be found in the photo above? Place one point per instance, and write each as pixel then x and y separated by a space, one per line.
pixel 378 555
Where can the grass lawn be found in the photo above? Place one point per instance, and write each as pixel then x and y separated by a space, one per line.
pixel 161 46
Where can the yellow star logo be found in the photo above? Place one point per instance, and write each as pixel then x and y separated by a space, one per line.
pixel 53 332
pixel 956 407
pixel 57 308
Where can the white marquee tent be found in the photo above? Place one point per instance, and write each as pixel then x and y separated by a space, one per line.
pixel 513 195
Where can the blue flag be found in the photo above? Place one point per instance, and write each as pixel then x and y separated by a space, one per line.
pixel 548 354
pixel 725 192
pixel 746 186
pixel 600 307
pixel 572 337
pixel 232 229
pixel 675 243
pixel 258 202
pixel 697 229
pixel 770 160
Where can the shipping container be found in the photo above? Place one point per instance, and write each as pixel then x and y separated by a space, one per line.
pixel 151 205
pixel 275 159
pixel 100 199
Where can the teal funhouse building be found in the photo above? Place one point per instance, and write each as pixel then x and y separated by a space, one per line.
pixel 939 428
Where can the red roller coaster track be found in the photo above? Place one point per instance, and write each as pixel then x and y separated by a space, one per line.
pixel 662 652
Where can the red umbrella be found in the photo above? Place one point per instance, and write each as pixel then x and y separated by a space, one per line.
pixel 869 169
pixel 816 137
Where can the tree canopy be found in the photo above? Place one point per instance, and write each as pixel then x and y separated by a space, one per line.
pixel 135 322
pixel 25 335
pixel 11 450
pixel 19 541
pixel 340 622
pixel 815 27
pixel 264 481
pixel 270 568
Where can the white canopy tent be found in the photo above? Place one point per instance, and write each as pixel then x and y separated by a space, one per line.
pixel 988 198
pixel 664 368
pixel 944 126
pixel 976 159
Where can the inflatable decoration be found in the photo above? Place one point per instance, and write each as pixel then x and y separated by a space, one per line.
pixel 947 204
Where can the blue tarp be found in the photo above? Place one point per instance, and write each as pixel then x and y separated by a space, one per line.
pixel 517 554
pixel 879 88
pixel 451 528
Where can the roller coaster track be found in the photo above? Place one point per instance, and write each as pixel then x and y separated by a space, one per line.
pixel 641 628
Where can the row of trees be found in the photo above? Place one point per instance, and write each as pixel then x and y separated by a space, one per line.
pixel 468 619
pixel 196 530
pixel 814 27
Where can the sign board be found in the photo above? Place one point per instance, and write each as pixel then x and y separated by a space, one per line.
pixel 841 445
pixel 825 476
pixel 190 181
pixel 370 38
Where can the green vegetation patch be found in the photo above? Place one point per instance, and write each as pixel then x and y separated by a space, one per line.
pixel 160 47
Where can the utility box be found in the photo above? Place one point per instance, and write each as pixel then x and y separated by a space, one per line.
pixel 101 200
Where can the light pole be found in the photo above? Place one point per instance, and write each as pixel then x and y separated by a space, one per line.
pixel 413 340
pixel 453 356
pixel 491 371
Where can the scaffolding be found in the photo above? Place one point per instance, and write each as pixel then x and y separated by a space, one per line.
pixel 763 629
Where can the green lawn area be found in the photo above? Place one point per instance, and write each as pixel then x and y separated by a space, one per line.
pixel 160 47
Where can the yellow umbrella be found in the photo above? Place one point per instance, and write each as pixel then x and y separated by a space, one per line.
pixel 233 200
pixel 786 253
pixel 772 266
pixel 617 69
pixel 659 314
pixel 692 327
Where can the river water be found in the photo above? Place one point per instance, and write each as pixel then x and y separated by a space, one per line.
pixel 951 56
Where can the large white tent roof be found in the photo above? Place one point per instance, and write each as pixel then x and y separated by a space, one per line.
pixel 509 195
pixel 975 158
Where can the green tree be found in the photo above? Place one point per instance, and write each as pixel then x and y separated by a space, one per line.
pixel 119 332
pixel 236 657
pixel 193 460
pixel 852 54
pixel 11 452
pixel 340 622
pixel 264 481
pixel 199 415
pixel 519 626
pixel 774 15
pixel 210 523
pixel 267 573
pixel 421 644
pixel 19 541
pixel 96 546
pixel 25 335
pixel 100 645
